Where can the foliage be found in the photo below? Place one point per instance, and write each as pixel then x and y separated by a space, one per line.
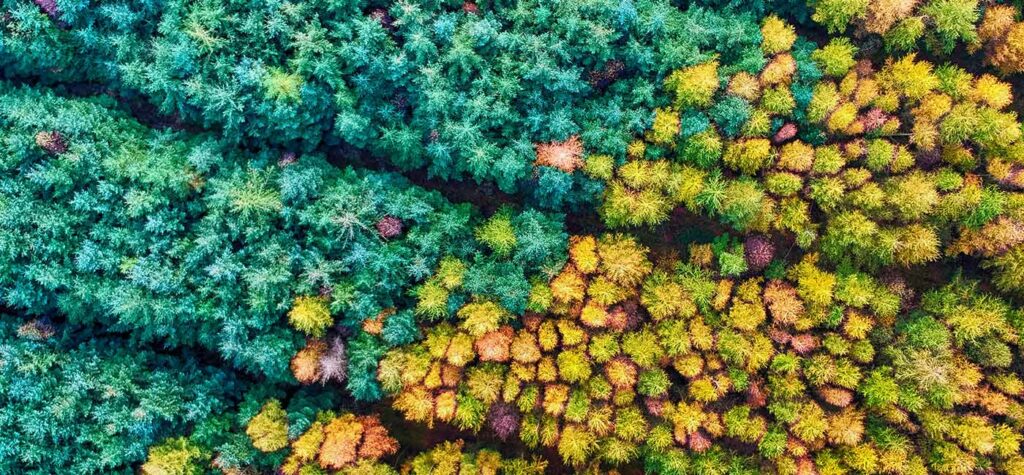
pixel 490 92
pixel 451 458
pixel 74 400
pixel 268 431
pixel 1003 36
pixel 199 245
pixel 900 23
pixel 283 237
pixel 830 359
pixel 822 157
pixel 175 456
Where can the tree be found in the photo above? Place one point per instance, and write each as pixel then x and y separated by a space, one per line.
pixel 310 315
pixel 176 456
pixel 269 429
pixel 1003 36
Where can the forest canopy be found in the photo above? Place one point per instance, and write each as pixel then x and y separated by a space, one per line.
pixel 442 237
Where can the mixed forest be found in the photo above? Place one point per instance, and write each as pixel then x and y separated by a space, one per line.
pixel 518 237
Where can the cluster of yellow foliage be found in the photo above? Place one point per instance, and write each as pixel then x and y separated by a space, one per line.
pixel 1003 36
pixel 332 442
pixel 784 363
pixel 873 165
